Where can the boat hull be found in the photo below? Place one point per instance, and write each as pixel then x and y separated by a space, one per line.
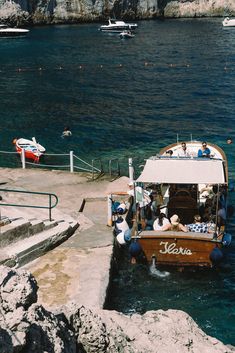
pixel 178 248
pixel 4 33
pixel 229 22
pixel 33 150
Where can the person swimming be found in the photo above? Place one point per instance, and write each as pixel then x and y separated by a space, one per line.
pixel 66 132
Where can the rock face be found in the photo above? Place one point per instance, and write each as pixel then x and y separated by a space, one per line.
pixel 29 328
pixel 68 11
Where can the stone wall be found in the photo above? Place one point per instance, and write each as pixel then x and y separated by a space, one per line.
pixel 21 12
pixel 28 327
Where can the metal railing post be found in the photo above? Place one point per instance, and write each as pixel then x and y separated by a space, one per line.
pixel 71 162
pixel 92 163
pixel 23 158
pixel 131 170
pixel 50 207
pixel 110 167
pixel 110 218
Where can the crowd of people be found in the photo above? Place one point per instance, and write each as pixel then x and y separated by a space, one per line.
pixel 149 214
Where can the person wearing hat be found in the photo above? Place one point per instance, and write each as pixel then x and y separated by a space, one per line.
pixel 175 225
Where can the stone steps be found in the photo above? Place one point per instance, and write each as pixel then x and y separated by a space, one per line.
pixel 23 240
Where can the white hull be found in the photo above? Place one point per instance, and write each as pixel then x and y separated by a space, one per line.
pixel 6 32
pixel 227 22
pixel 118 26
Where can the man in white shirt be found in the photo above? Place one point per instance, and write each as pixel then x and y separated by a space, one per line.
pixel 183 151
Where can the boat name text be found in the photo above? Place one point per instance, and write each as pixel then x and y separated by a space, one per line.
pixel 172 249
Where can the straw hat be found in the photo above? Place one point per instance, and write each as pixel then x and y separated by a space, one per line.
pixel 175 220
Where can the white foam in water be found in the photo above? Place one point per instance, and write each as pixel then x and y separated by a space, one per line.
pixel 155 272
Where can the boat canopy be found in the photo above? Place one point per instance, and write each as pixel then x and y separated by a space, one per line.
pixel 183 171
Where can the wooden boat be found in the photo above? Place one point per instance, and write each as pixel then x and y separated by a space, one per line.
pixel 33 150
pixel 180 183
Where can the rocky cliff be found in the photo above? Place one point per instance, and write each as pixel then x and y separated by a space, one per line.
pixel 21 12
pixel 26 327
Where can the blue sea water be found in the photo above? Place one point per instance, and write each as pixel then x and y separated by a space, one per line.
pixel 128 98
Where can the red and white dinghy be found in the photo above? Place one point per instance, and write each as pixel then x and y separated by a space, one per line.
pixel 33 150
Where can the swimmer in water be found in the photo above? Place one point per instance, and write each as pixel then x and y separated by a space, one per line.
pixel 66 132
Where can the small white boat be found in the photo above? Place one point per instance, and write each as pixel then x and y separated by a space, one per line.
pixel 6 31
pixel 118 26
pixel 33 150
pixel 126 34
pixel 229 22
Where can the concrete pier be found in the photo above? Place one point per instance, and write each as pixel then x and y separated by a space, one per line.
pixel 77 270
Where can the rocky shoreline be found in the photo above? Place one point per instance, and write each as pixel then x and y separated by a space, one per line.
pixel 55 304
pixel 28 327
pixel 29 13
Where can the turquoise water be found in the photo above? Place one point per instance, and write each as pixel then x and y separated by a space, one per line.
pixel 128 98
pixel 120 98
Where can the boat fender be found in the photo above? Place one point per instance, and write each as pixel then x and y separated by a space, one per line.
pixel 121 238
pixel 121 208
pixel 127 235
pixel 116 231
pixel 135 249
pixel 231 186
pixel 115 206
pixel 230 211
pixel 227 239
pixel 216 256
pixel 121 224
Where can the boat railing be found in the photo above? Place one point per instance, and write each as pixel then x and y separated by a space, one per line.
pixel 49 205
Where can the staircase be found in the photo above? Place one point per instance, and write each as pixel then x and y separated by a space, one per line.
pixel 24 239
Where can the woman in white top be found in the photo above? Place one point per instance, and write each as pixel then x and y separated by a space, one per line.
pixel 160 222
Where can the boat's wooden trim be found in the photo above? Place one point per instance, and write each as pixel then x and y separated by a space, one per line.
pixel 149 234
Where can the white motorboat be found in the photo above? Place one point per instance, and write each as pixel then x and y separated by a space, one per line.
pixel 126 34
pixel 229 22
pixel 118 26
pixel 6 31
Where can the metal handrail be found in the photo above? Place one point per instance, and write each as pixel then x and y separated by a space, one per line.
pixel 110 166
pixel 49 207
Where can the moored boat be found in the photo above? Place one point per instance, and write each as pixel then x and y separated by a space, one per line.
pixel 32 149
pixel 6 31
pixel 126 35
pixel 183 188
pixel 118 26
pixel 229 22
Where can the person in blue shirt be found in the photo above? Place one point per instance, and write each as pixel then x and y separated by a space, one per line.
pixel 204 151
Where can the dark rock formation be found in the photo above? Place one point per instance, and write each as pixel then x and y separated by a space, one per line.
pixel 26 327
pixel 68 11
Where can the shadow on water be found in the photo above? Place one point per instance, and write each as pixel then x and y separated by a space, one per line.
pixel 207 295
